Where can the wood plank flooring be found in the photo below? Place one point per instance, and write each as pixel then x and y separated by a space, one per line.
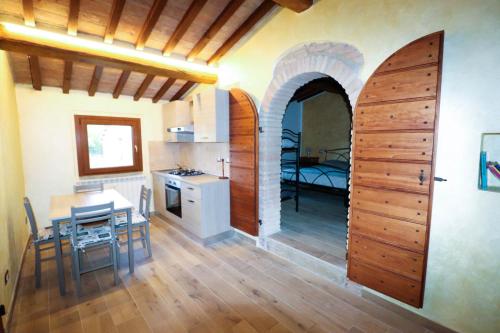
pixel 231 286
pixel 319 228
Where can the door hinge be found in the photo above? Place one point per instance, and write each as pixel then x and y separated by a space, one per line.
pixel 261 130
pixel 260 222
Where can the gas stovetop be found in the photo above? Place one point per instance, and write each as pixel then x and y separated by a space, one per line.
pixel 185 172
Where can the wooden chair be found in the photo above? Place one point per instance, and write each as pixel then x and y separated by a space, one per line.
pixel 82 188
pixel 140 220
pixel 92 227
pixel 43 237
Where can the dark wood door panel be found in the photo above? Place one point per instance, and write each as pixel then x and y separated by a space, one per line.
pixel 418 53
pixel 244 166
pixel 416 115
pixel 416 83
pixel 406 206
pixel 395 146
pixel 396 232
pixel 391 258
pixel 393 171
pixel 394 285
pixel 399 176
pixel 241 126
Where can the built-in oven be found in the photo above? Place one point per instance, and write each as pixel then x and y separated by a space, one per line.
pixel 173 196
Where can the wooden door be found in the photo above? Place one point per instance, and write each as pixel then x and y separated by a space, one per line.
pixel 395 127
pixel 244 158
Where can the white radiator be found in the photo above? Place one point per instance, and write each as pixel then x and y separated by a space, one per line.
pixel 128 186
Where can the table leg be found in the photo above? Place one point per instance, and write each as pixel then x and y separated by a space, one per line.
pixel 59 258
pixel 130 241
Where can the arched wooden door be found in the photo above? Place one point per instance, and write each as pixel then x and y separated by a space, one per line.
pixel 244 162
pixel 395 127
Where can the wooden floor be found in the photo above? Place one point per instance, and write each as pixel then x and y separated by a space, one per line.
pixel 319 228
pixel 231 286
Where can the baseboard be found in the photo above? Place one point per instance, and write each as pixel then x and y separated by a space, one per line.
pixel 410 315
pixel 13 298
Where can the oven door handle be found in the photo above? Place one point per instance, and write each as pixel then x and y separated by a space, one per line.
pixel 170 187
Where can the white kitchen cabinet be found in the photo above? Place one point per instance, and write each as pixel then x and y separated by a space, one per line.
pixel 211 115
pixel 159 194
pixel 177 114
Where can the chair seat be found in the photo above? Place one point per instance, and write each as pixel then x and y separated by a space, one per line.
pixel 93 235
pixel 121 219
pixel 48 234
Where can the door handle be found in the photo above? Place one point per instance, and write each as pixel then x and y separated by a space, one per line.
pixel 421 177
pixel 439 179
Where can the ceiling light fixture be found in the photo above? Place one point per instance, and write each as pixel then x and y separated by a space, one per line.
pixel 76 44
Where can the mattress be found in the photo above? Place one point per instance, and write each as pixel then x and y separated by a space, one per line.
pixel 323 175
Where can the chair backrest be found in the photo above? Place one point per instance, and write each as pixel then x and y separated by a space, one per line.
pixel 31 218
pixel 145 201
pixel 104 213
pixel 81 188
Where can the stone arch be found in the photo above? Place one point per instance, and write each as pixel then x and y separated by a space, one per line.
pixel 295 68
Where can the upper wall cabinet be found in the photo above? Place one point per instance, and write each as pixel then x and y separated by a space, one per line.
pixel 177 122
pixel 211 115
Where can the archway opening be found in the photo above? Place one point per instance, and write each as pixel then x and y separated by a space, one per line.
pixel 315 164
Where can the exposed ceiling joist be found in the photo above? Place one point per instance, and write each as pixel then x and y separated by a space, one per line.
pixel 68 70
pixel 74 9
pixel 224 16
pixel 25 40
pixel 120 84
pixel 151 19
pixel 28 13
pixel 144 85
pixel 36 76
pixel 295 5
pixel 116 13
pixel 249 23
pixel 184 89
pixel 164 88
pixel 183 25
pixel 96 77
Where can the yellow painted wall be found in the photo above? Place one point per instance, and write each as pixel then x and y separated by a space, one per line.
pixel 13 230
pixel 326 124
pixel 463 289
pixel 48 137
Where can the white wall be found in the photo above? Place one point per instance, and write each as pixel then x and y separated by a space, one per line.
pixel 48 137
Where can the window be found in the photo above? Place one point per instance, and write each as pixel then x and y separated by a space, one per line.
pixel 108 145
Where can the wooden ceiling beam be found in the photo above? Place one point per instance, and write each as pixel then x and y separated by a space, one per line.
pixel 74 10
pixel 296 5
pixel 249 23
pixel 183 25
pixel 96 77
pixel 151 19
pixel 219 22
pixel 116 13
pixel 36 76
pixel 68 70
pixel 28 13
pixel 144 85
pixel 178 95
pixel 120 84
pixel 164 88
pixel 21 41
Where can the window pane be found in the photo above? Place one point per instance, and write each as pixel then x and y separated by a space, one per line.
pixel 110 146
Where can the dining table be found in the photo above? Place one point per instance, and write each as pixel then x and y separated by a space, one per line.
pixel 60 212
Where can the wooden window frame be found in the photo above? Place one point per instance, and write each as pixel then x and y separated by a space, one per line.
pixel 82 148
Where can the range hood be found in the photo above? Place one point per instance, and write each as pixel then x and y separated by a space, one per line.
pixel 188 129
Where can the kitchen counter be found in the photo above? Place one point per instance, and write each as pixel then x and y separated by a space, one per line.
pixel 193 180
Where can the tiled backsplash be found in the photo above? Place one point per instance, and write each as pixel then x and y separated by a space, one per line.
pixel 201 156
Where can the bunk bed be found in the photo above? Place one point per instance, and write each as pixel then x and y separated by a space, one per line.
pixel 290 166
pixel 330 175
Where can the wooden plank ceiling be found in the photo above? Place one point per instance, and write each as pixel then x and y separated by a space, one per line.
pixel 198 30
